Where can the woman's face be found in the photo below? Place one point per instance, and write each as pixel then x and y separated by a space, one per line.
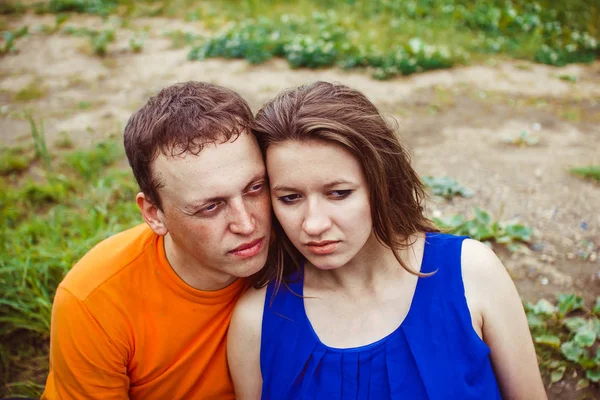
pixel 321 199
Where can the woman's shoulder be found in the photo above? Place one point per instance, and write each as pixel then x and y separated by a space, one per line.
pixel 249 308
pixel 486 280
pixel 480 264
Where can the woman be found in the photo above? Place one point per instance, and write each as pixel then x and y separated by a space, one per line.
pixel 364 298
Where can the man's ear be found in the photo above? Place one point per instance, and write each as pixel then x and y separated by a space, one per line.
pixel 153 216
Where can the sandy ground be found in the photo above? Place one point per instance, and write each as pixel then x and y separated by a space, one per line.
pixel 454 121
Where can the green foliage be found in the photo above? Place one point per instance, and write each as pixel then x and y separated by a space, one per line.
pixel 319 41
pixel 39 140
pixel 99 7
pixel 88 163
pixel 180 39
pixel 33 91
pixel 10 38
pixel 47 225
pixel 482 227
pixel 567 334
pixel 99 39
pixel 589 171
pixel 136 43
pixel 12 160
pixel 522 139
pixel 446 187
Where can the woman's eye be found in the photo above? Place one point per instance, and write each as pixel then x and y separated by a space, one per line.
pixel 340 194
pixel 290 198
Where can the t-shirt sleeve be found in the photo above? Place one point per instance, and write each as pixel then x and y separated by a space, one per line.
pixel 84 361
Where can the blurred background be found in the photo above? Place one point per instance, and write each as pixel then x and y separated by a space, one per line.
pixel 498 102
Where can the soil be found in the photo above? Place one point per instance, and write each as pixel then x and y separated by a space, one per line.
pixel 455 123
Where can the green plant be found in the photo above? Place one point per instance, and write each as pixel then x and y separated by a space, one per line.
pixel 46 225
pixel 98 39
pixel 10 38
pixel 483 227
pixel 566 335
pixel 136 43
pixel 180 39
pixel 33 91
pixel 589 172
pixel 13 160
pixel 89 163
pixel 446 187
pixel 64 141
pixel 522 139
pixel 39 140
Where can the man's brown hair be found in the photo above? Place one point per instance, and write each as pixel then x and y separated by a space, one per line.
pixel 182 118
pixel 337 114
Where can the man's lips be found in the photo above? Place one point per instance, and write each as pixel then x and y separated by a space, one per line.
pixel 248 249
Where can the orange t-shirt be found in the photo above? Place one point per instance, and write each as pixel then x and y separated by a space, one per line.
pixel 124 325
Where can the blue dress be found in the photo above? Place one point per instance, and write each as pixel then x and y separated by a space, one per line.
pixel 433 354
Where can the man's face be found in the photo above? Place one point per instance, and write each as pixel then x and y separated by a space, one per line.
pixel 216 209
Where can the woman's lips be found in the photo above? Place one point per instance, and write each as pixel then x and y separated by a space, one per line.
pixel 322 248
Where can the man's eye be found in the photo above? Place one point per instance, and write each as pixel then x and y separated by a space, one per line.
pixel 288 199
pixel 257 187
pixel 340 194
pixel 209 208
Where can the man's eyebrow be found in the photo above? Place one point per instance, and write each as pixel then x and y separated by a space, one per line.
pixel 329 185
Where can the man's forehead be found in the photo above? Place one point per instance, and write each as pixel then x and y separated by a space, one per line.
pixel 216 171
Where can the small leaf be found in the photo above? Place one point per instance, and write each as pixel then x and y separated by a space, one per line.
pixel 557 374
pixel 548 340
pixel 544 307
pixel 571 351
pixel 596 309
pixel 585 337
pixel 569 302
pixel 574 324
pixel 582 384
pixel 534 321
pixel 593 375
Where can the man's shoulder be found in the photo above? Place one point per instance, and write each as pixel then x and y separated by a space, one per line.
pixel 108 259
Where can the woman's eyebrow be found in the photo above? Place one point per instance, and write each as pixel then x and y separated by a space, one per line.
pixel 328 185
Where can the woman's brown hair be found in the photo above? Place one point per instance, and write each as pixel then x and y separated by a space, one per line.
pixel 338 114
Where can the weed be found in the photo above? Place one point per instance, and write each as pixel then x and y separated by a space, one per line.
pixel 10 38
pixel 180 39
pixel 39 140
pixel 567 333
pixel 33 91
pixel 589 172
pixel 568 78
pixel 98 39
pixel 136 43
pixel 522 139
pixel 446 187
pixel 483 227
pixel 88 163
pixel 12 160
pixel 64 141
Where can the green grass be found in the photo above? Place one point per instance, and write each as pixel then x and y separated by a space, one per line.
pixel 46 225
pixel 33 91
pixel 13 160
pixel 588 172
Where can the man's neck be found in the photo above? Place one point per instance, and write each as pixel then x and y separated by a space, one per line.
pixel 192 272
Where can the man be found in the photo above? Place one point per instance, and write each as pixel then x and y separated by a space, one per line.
pixel 145 313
